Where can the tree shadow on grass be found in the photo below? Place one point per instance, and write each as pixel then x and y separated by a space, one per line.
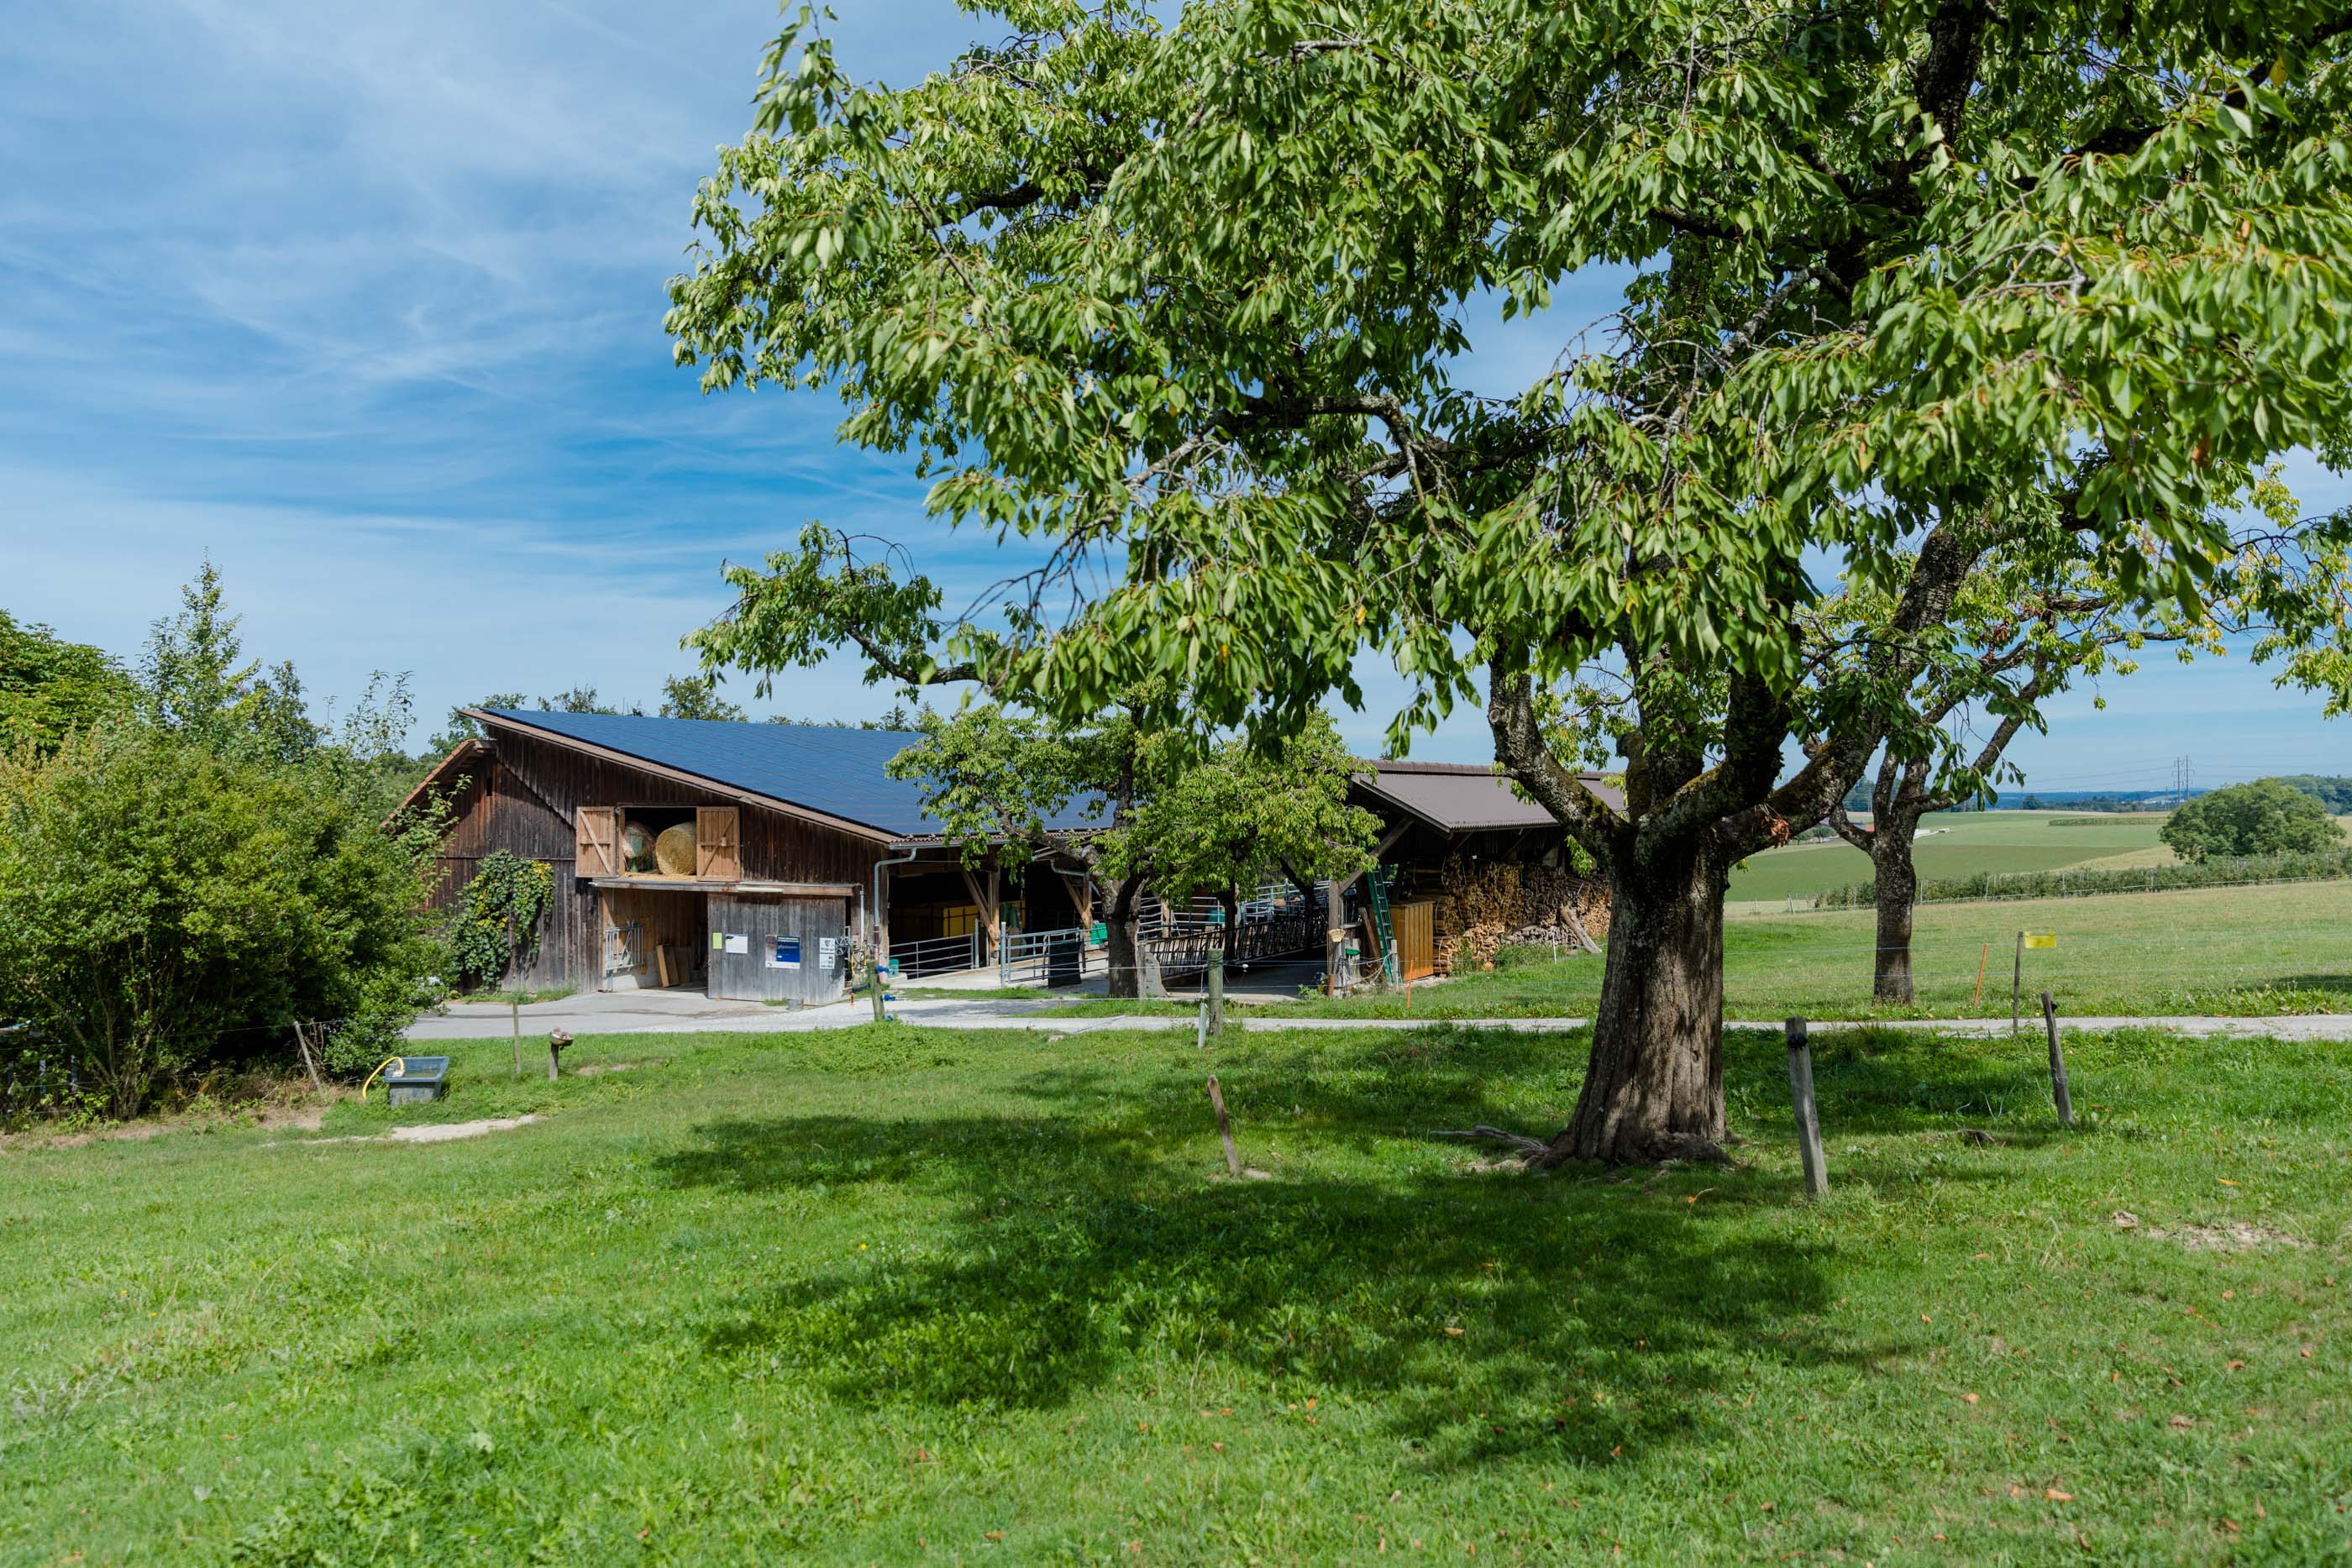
pixel 1592 1317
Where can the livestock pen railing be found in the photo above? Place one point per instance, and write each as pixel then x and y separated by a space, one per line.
pixel 937 955
pixel 1047 957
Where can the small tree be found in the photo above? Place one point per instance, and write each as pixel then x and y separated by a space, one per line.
pixel 2266 817
pixel 1238 814
pixel 1009 788
pixel 497 918
pixel 1172 815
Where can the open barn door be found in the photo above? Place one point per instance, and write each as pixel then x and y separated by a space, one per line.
pixel 595 846
pixel 718 842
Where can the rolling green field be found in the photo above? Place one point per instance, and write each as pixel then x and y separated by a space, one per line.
pixel 896 1296
pixel 1961 844
pixel 2282 948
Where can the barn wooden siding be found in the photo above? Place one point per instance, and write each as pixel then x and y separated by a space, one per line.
pixel 522 799
pixel 750 975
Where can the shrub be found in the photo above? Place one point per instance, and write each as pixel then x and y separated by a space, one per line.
pixel 2326 866
pixel 168 909
pixel 2263 818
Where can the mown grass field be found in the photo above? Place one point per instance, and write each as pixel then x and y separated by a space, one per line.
pixel 2237 950
pixel 1963 843
pixel 894 1296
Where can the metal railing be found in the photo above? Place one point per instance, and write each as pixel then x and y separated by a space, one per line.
pixel 935 955
pixel 1047 957
pixel 1187 950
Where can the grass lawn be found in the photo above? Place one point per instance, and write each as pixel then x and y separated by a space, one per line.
pixel 2238 950
pixel 1962 844
pixel 895 1296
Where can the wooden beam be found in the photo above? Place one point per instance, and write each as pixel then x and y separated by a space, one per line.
pixel 1081 888
pixel 1388 843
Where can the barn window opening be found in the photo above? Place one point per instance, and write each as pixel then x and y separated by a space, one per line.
pixel 658 840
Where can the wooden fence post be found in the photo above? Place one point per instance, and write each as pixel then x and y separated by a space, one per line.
pixel 302 1045
pixel 1808 1122
pixel 1217 983
pixel 2057 1064
pixel 1225 1128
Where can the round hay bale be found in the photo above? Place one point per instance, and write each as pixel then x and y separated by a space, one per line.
pixel 674 850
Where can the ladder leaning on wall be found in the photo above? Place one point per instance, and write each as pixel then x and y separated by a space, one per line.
pixel 1376 892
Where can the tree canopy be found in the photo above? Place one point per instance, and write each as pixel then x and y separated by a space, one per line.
pixel 2267 817
pixel 1186 307
pixel 49 687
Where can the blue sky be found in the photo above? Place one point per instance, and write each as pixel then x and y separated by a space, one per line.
pixel 365 300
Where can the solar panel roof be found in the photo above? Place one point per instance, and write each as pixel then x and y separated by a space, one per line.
pixel 839 772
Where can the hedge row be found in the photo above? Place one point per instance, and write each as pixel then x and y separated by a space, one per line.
pixel 2323 866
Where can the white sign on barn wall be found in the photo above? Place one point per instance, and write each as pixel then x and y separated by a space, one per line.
pixel 827 949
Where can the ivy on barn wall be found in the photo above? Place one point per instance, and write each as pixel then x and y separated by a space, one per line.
pixel 497 918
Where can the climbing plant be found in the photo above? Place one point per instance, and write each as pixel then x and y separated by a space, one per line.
pixel 497 918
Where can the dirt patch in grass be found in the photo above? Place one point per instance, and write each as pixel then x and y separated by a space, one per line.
pixel 2232 1236
pixel 270 1116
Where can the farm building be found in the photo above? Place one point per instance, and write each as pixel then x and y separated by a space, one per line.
pixel 737 859
pixel 744 860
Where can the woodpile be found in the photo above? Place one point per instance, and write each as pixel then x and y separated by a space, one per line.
pixel 1484 907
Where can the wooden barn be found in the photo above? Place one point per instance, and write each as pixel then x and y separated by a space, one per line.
pixel 740 860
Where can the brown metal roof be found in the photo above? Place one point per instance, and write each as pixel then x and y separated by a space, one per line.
pixel 1464 796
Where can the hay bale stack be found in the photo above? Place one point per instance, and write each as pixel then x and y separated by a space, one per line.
pixel 674 850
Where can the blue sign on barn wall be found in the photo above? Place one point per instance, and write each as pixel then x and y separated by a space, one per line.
pixel 787 955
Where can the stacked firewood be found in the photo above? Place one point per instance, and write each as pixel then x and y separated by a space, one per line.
pixel 1498 904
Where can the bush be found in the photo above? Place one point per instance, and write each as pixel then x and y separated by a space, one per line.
pixel 168 909
pixel 2263 818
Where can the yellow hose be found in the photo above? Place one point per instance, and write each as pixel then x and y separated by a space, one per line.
pixel 380 1066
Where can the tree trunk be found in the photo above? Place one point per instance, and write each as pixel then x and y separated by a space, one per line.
pixel 1132 972
pixel 1230 902
pixel 1897 888
pixel 1654 1089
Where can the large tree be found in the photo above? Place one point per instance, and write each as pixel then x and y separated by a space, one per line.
pixel 1187 307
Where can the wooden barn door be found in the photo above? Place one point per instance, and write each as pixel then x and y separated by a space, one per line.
pixel 778 949
pixel 719 842
pixel 596 842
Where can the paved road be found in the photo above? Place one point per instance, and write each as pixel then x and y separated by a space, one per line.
pixel 689 1012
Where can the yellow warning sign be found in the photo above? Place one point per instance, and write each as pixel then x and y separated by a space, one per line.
pixel 2042 938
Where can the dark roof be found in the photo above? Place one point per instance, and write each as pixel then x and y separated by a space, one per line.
pixel 1466 797
pixel 836 772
